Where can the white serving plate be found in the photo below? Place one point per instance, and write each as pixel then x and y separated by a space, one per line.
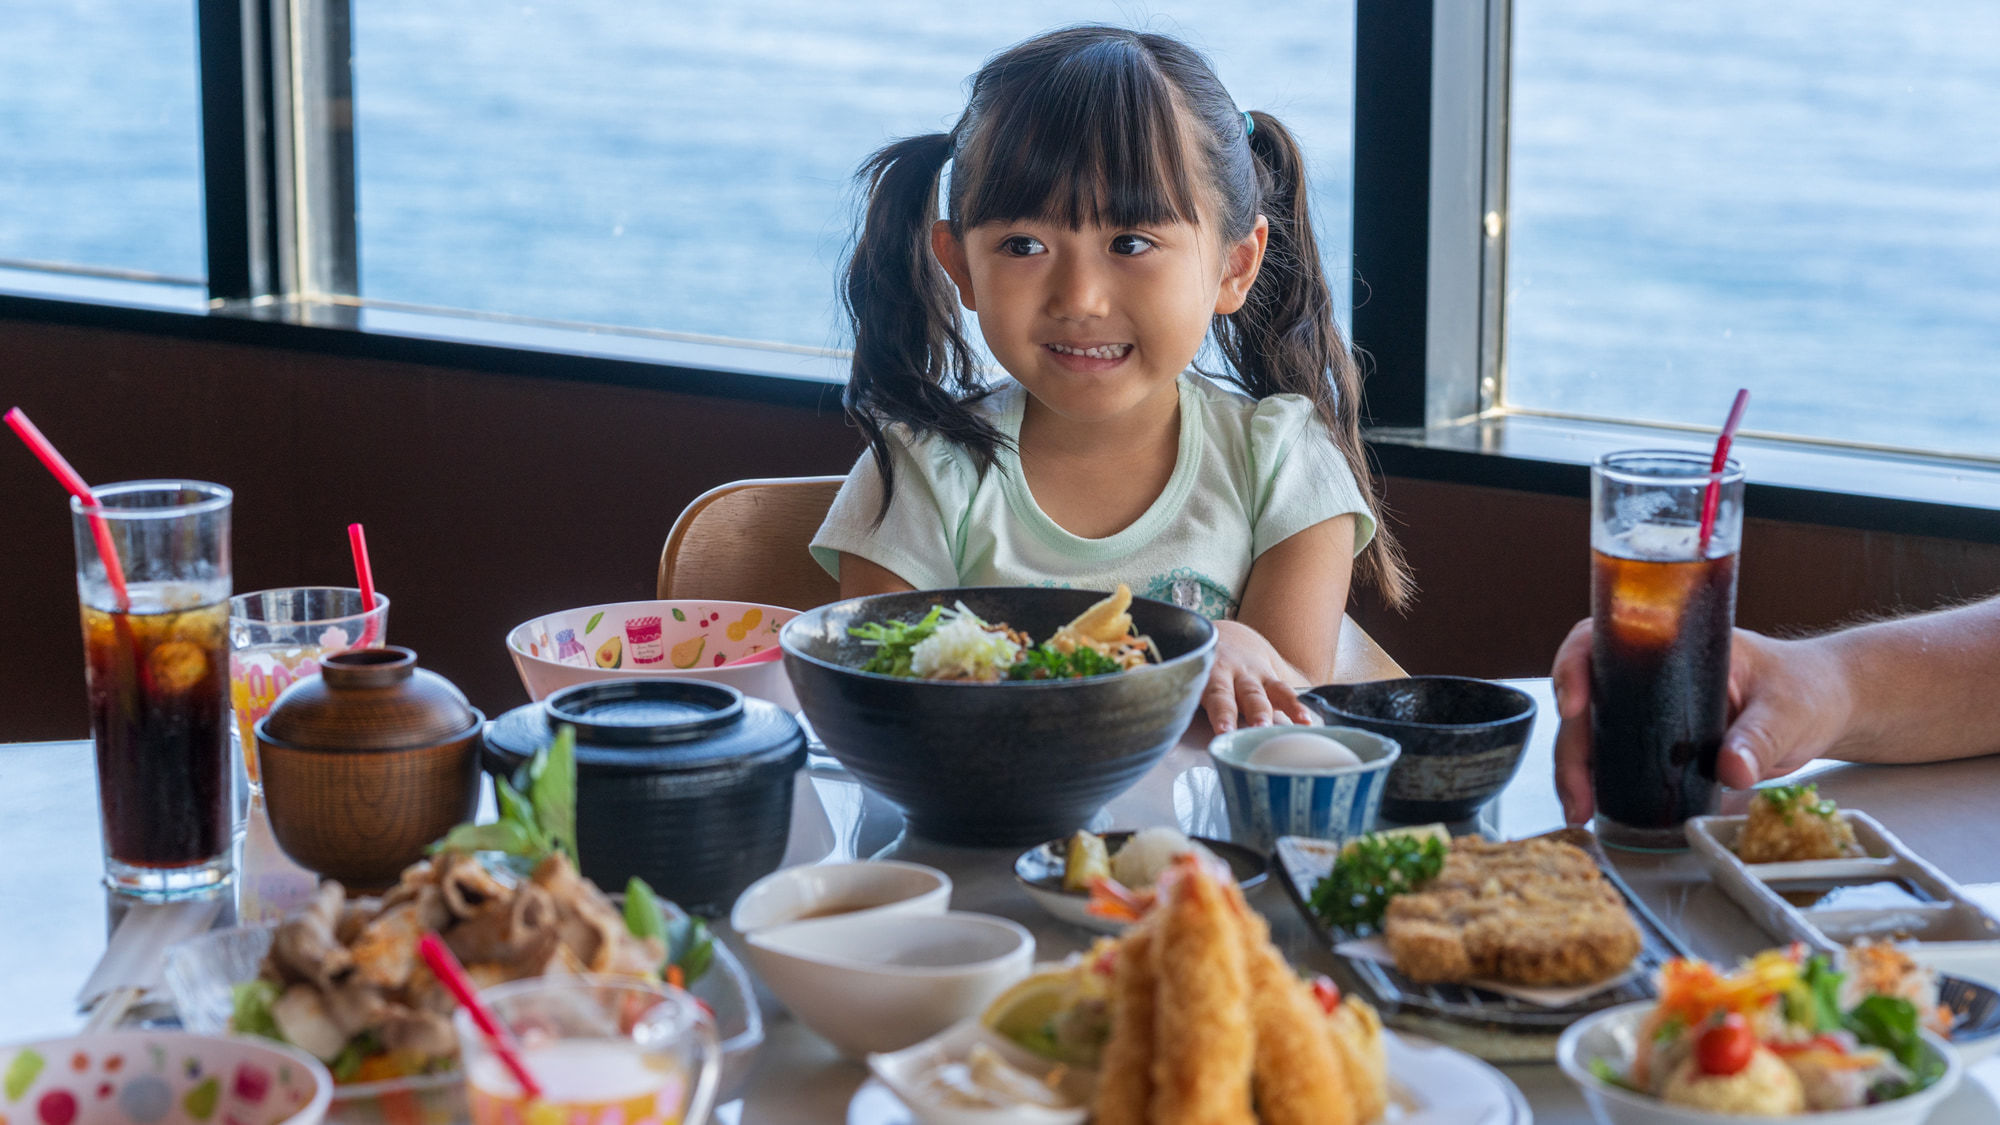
pixel 1949 923
pixel 1429 1084
pixel 1612 1037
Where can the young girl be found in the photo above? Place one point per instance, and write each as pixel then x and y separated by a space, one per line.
pixel 1108 206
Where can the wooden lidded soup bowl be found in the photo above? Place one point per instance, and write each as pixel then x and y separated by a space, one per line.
pixel 367 764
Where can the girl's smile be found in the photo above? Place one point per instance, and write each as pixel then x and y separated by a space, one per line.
pixel 1097 321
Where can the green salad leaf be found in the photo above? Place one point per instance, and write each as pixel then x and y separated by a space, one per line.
pixel 537 809
pixel 893 640
pixel 1371 871
pixel 687 939
pixel 250 1009
pixel 1603 1071
pixel 359 1050
pixel 1814 1002
pixel 1893 1024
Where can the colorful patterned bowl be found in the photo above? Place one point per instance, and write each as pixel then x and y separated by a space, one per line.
pixel 621 640
pixel 1266 802
pixel 160 1078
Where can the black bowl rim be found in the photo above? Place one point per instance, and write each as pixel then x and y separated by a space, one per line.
pixel 1196 654
pixel 1237 856
pixel 1312 695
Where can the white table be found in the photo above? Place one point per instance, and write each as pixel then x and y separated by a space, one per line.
pixel 56 915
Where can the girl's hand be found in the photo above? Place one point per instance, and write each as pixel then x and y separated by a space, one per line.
pixel 1251 685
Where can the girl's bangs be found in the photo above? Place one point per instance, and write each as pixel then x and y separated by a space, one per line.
pixel 1091 139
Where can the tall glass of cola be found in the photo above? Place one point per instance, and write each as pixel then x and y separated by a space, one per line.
pixel 1664 602
pixel 157 664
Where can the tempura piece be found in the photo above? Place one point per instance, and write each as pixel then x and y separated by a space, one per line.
pixel 1356 1031
pixel 1202 1045
pixel 1125 1074
pixel 1299 1078
pixel 1106 628
pixel 1788 823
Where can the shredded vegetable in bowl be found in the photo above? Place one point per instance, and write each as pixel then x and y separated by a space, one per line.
pixel 955 644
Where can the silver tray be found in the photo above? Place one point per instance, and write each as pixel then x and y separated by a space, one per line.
pixel 1486 1023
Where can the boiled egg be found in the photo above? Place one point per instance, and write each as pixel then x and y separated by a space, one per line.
pixel 1300 751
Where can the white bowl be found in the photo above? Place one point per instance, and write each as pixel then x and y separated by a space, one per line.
pixel 903 1072
pixel 882 981
pixel 799 894
pixel 163 1078
pixel 622 640
pixel 1613 1034
pixel 1266 802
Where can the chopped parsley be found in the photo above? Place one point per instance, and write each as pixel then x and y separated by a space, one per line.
pixel 1371 871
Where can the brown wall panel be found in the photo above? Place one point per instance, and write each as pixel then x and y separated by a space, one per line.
pixel 490 498
pixel 487 498
pixel 1502 576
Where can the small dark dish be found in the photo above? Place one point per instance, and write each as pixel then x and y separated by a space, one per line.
pixel 1040 869
pixel 684 783
pixel 1462 739
pixel 366 764
pixel 996 763
pixel 1975 1012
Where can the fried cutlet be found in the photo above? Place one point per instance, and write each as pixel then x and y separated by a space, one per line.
pixel 1536 912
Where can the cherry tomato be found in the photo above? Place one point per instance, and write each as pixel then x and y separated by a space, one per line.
pixel 1725 1048
pixel 1327 993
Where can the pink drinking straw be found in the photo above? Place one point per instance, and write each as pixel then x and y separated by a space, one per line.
pixel 1713 493
pixel 449 973
pixel 358 540
pixel 114 571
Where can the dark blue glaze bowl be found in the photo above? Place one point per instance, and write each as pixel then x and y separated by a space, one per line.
pixel 1462 739
pixel 996 763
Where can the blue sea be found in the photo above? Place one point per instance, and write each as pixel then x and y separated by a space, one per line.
pixel 1793 195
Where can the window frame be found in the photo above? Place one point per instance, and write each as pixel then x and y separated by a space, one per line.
pixel 1429 245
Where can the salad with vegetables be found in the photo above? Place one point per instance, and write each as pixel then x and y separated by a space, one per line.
pixel 955 644
pixel 1781 1035
pixel 343 981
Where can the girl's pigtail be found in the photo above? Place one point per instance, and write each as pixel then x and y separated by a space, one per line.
pixel 1284 339
pixel 911 361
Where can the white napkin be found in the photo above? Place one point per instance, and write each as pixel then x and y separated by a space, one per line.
pixel 133 959
pixel 1375 949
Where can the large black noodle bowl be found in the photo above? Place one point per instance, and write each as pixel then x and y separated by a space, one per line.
pixel 996 763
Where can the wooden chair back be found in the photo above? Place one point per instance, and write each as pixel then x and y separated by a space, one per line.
pixel 746 542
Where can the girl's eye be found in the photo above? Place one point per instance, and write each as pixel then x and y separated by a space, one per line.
pixel 1020 246
pixel 1130 245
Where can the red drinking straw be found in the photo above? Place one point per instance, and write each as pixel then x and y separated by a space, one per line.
pixel 365 576
pixel 114 571
pixel 446 969
pixel 1713 493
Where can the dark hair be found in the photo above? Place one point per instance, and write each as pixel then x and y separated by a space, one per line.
pixel 1084 126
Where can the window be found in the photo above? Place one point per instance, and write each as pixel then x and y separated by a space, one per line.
pixel 1795 197
pixel 687 167
pixel 102 136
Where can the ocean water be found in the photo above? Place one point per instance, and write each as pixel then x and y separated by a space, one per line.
pixel 1793 196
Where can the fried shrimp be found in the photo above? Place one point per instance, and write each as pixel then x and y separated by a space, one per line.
pixel 1125 1076
pixel 1202 1045
pixel 1300 1079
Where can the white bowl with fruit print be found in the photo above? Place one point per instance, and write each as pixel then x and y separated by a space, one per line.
pixel 699 640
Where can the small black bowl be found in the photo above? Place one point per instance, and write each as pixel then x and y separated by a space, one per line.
pixel 684 783
pixel 1462 739
pixel 996 763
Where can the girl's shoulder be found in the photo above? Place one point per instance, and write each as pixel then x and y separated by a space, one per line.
pixel 1253 424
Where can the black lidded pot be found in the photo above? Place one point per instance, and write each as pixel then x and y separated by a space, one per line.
pixel 684 783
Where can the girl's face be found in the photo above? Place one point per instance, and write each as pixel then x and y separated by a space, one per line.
pixel 1098 323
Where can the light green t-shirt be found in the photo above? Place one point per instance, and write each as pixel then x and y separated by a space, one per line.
pixel 1249 474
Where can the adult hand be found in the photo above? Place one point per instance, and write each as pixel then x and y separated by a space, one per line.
pixel 1788 703
pixel 1250 685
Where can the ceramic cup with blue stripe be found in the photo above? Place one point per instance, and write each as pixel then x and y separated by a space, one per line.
pixel 1266 802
